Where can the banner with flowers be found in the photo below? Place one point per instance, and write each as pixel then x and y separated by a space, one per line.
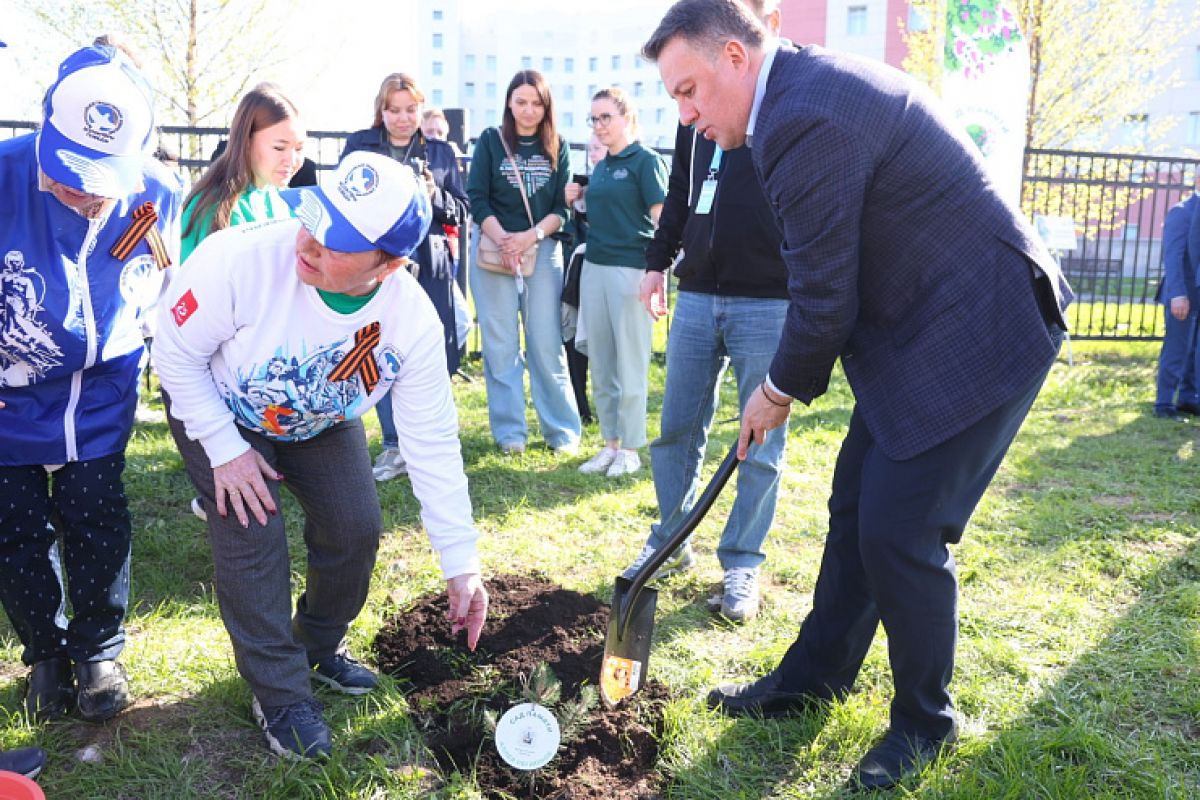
pixel 986 83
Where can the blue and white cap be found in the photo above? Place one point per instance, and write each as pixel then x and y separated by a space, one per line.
pixel 370 202
pixel 99 120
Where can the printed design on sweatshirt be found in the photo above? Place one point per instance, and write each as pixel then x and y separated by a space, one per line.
pixel 27 350
pixel 535 171
pixel 293 397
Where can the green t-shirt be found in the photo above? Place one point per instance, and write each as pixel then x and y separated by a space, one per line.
pixel 619 196
pixel 492 186
pixel 254 204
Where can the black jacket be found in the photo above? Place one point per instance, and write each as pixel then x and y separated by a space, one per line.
pixel 734 249
pixel 436 267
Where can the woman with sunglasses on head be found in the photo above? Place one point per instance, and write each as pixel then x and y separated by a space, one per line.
pixel 524 155
pixel 396 133
pixel 624 198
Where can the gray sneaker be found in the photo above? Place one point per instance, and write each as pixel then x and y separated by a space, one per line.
pixel 389 464
pixel 683 559
pixel 741 599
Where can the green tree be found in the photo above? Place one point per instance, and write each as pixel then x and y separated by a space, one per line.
pixel 202 55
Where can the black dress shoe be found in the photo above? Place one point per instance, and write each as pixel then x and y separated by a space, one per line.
pixel 898 755
pixel 1167 413
pixel 27 761
pixel 1188 408
pixel 103 689
pixel 765 697
pixel 51 689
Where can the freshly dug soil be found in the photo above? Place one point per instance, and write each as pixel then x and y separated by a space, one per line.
pixel 530 621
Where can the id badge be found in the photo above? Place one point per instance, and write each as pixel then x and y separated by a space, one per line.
pixel 708 191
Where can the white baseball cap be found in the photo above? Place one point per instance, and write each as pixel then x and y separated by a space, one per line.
pixel 371 202
pixel 99 120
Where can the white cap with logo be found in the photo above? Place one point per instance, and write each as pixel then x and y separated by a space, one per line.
pixel 99 121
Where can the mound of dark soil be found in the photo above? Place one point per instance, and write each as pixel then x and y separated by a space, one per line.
pixel 530 621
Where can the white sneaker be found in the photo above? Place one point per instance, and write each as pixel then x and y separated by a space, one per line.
pixel 198 509
pixel 741 599
pixel 625 462
pixel 566 449
pixel 683 559
pixel 389 464
pixel 599 462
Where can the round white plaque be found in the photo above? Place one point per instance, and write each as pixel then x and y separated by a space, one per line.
pixel 527 736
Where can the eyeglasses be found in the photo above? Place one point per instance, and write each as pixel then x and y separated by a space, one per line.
pixel 603 120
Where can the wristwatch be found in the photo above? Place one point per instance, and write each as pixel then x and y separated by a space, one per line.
pixel 539 233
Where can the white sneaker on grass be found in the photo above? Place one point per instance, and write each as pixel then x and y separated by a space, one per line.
pixel 599 462
pixel 741 599
pixel 389 464
pixel 682 559
pixel 625 462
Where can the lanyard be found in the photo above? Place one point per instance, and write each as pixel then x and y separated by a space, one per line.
pixel 715 165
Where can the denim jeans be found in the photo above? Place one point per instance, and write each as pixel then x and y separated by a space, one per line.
pixel 498 306
pixel 708 332
pixel 387 424
pixel 1177 362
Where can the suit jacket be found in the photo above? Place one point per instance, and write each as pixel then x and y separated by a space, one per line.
pixel 1181 251
pixel 903 259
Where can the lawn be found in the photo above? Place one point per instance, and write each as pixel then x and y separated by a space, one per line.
pixel 1079 663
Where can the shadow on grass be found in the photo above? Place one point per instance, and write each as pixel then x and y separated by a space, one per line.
pixel 1121 721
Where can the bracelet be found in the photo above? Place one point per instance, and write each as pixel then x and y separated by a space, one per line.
pixel 762 387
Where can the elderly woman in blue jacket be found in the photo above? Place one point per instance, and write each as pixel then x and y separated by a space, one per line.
pixel 396 132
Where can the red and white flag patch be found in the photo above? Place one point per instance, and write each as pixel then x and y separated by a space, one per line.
pixel 184 308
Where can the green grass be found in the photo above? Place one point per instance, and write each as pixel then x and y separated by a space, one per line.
pixel 1079 662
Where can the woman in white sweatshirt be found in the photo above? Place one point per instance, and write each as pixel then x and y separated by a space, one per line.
pixel 279 336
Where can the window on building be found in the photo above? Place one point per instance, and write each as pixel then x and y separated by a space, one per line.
pixel 437 15
pixel 1134 130
pixel 568 64
pixel 491 90
pixel 491 116
pixel 637 62
pixel 568 92
pixel 593 64
pixel 469 88
pixel 1196 65
pixel 638 89
pixel 438 97
pixel 569 119
pixel 616 62
pixel 526 62
pixel 591 91
pixel 469 61
pixel 660 89
pixel 1193 131
pixel 437 40
pixel 856 21
pixel 437 68
pixel 491 63
pixel 547 63
pixel 660 115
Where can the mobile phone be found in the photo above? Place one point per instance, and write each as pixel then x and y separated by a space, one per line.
pixel 582 180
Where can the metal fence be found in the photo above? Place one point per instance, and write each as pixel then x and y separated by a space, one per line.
pixel 1117 203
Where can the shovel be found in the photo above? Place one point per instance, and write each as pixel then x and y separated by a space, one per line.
pixel 631 619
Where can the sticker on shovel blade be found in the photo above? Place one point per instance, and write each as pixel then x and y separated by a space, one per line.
pixel 620 678
pixel 527 736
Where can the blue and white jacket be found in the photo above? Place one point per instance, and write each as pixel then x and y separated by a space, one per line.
pixel 71 313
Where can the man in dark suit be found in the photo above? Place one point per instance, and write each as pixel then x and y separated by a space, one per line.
pixel 946 311
pixel 1176 390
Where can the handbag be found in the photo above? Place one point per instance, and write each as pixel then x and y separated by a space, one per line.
pixel 489 256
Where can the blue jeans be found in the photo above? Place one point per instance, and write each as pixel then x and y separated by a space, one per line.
pixel 387 424
pixel 501 310
pixel 1177 362
pixel 708 332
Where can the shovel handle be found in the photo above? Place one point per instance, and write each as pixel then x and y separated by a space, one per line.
pixel 689 523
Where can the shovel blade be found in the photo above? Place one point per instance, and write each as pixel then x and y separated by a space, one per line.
pixel 627 646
